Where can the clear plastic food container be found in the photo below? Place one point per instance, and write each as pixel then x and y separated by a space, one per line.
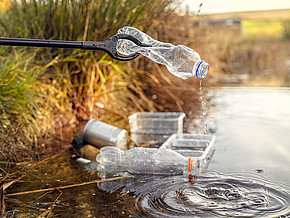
pixel 155 127
pixel 198 147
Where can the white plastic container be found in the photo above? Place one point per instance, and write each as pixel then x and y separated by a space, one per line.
pixel 155 127
pixel 198 147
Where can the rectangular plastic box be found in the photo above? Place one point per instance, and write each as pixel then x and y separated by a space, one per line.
pixel 198 147
pixel 155 127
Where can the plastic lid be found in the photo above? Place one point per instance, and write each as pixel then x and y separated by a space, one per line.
pixel 189 165
pixel 202 69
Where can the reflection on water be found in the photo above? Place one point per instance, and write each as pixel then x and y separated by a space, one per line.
pixel 252 129
pixel 251 149
pixel 213 194
pixel 253 126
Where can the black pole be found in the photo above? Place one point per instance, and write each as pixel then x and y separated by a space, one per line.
pixel 40 43
pixel 109 46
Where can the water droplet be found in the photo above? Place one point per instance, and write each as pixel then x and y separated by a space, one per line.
pixel 204 113
pixel 259 171
pixel 258 201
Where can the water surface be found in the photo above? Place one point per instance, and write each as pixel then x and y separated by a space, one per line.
pixel 253 126
pixel 248 176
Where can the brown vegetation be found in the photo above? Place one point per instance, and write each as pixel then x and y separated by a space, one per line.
pixel 77 86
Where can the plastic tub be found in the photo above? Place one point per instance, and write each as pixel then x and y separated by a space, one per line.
pixel 198 147
pixel 152 127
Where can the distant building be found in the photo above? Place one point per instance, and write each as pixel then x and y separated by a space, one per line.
pixel 227 25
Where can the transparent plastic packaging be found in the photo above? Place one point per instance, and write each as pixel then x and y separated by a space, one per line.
pixel 180 60
pixel 140 160
pixel 155 127
pixel 180 154
pixel 198 147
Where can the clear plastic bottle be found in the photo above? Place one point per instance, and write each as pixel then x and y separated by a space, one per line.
pixel 141 160
pixel 180 60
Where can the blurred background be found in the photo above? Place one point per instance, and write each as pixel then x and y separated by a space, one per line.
pixel 47 95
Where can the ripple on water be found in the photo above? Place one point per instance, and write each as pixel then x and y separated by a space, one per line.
pixel 207 196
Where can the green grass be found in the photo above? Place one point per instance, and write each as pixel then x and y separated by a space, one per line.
pixel 78 20
pixel 262 28
pixel 19 102
pixel 52 88
pixel 286 29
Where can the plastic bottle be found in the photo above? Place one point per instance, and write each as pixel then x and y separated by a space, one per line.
pixel 180 60
pixel 141 160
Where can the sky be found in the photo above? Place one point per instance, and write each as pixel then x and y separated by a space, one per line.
pixel 222 6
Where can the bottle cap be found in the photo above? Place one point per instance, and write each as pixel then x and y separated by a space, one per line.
pixel 189 165
pixel 201 69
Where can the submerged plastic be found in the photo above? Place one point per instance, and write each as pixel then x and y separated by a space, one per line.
pixel 140 160
pixel 180 60
pixel 180 154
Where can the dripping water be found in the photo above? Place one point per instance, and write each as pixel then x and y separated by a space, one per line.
pixel 204 112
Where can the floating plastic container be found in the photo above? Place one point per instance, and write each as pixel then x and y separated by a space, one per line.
pixel 198 147
pixel 155 127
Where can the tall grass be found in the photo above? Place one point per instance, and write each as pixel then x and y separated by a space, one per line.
pixel 19 103
pixel 78 20
pixel 75 85
pixel 286 29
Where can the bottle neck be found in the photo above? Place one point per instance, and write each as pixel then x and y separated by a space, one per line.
pixel 201 69
pixel 192 167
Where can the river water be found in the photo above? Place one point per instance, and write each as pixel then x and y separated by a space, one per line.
pixel 253 132
pixel 248 176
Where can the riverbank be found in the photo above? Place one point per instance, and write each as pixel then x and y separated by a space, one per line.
pixel 62 89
